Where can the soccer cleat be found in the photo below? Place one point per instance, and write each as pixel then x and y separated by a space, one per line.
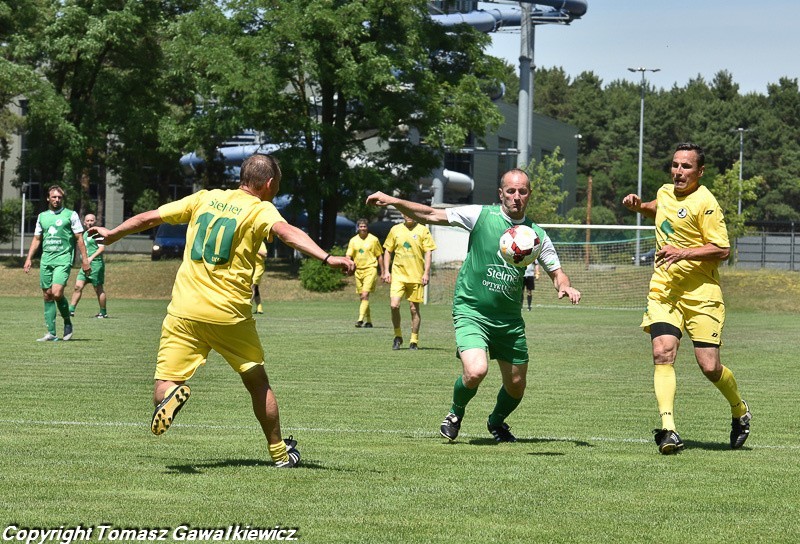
pixel 668 441
pixel 450 426
pixel 367 325
pixel 413 346
pixel 359 324
pixel 102 316
pixel 165 412
pixel 292 452
pixel 501 432
pixel 740 428
pixel 397 343
pixel 72 314
pixel 67 331
pixel 48 338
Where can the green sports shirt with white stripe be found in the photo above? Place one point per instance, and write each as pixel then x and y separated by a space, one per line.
pixel 58 230
pixel 486 285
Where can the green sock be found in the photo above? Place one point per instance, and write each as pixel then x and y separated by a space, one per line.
pixel 63 309
pixel 71 309
pixel 461 397
pixel 505 405
pixel 102 311
pixel 50 316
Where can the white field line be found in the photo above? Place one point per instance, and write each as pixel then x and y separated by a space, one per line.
pixel 416 433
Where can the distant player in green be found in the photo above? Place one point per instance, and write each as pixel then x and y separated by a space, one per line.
pixel 58 231
pixel 407 270
pixel 685 293
pixel 98 274
pixel 366 251
pixel 486 309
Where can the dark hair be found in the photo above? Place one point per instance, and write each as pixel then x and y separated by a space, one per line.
pixel 688 146
pixel 257 169
pixel 362 220
pixel 56 188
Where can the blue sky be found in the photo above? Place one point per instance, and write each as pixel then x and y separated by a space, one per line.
pixel 758 43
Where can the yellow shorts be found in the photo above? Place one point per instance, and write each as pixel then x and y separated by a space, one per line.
pixel 702 320
pixel 259 271
pixel 366 278
pixel 185 345
pixel 414 292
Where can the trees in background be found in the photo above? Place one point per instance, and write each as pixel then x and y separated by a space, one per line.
pixel 363 94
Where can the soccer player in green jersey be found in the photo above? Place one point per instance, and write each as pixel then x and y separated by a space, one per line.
pixel 685 293
pixel 98 274
pixel 58 231
pixel 210 306
pixel 486 311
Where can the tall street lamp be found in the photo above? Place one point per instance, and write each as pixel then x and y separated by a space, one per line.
pixel 741 132
pixel 641 150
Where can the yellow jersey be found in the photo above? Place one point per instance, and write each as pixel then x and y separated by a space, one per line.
pixel 364 252
pixel 409 247
pixel 226 229
pixel 685 222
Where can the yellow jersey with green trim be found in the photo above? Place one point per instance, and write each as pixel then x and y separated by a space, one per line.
pixel 409 247
pixel 226 229
pixel 365 252
pixel 684 222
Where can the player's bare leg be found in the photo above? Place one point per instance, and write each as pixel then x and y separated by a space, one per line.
pixel 168 398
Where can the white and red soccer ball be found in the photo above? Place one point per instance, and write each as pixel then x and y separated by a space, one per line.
pixel 520 246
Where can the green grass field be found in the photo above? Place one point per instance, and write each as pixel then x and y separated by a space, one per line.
pixel 77 448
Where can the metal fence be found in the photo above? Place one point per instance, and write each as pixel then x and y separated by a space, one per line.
pixel 779 250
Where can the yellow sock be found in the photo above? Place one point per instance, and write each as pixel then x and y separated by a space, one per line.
pixel 665 385
pixel 367 313
pixel 398 332
pixel 278 452
pixel 363 310
pixel 259 308
pixel 730 390
pixel 414 338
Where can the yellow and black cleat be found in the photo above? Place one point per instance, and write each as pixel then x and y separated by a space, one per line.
pixel 166 411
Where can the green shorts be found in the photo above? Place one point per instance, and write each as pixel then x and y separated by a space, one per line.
pixel 50 274
pixel 96 277
pixel 504 341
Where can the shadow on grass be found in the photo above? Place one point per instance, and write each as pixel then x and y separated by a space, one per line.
pixel 200 468
pixel 492 442
pixel 710 446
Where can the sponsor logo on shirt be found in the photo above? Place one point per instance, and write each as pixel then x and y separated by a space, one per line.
pixel 682 213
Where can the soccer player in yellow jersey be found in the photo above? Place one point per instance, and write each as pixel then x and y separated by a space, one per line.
pixel 365 250
pixel 412 245
pixel 210 307
pixel 685 293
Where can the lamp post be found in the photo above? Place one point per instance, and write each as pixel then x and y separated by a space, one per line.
pixel 741 132
pixel 22 222
pixel 641 150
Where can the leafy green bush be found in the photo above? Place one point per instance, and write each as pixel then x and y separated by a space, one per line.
pixel 321 278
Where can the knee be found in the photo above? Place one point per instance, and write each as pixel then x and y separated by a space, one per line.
pixel 473 377
pixel 664 355
pixel 516 386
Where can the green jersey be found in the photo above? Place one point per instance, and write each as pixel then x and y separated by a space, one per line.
pixel 486 285
pixel 91 247
pixel 58 230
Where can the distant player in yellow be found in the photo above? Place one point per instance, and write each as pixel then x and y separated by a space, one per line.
pixel 365 250
pixel 257 274
pixel 210 307
pixel 411 244
pixel 685 293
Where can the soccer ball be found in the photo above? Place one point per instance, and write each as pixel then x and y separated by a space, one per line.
pixel 520 246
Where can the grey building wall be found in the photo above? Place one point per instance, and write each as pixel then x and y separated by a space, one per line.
pixel 548 134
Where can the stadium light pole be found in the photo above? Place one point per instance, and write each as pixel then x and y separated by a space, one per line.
pixel 741 132
pixel 641 151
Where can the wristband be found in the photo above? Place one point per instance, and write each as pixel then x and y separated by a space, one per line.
pixel 325 260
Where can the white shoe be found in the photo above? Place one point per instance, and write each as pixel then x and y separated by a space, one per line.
pixel 67 331
pixel 48 338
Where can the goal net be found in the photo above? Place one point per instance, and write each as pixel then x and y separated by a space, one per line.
pixel 600 260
